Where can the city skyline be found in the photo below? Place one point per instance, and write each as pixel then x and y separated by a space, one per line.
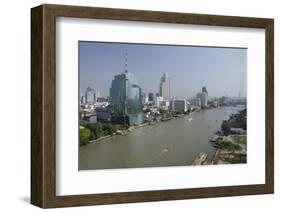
pixel 222 70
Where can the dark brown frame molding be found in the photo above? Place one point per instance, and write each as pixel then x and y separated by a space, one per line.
pixel 43 105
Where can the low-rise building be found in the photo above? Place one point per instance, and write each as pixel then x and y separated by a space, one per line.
pixel 158 99
pixel 90 118
pixel 179 104
pixel 103 114
pixel 164 105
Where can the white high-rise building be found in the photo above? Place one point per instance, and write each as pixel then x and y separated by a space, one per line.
pixel 97 95
pixel 164 88
pixel 92 95
pixel 203 96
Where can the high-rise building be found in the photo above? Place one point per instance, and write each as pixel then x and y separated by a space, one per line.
pixel 164 88
pixel 90 95
pixel 150 97
pixel 203 96
pixel 126 99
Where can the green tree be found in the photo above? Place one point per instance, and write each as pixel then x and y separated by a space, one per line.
pixel 96 129
pixel 225 127
pixel 84 136
pixel 84 123
pixel 109 129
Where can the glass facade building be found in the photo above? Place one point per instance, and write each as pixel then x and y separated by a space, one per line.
pixel 126 100
pixel 164 88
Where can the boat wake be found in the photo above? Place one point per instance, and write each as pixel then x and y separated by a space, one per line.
pixel 163 152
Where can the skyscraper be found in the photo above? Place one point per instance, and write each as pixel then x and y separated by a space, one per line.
pixel 164 88
pixel 203 99
pixel 126 99
pixel 203 96
pixel 150 96
pixel 90 95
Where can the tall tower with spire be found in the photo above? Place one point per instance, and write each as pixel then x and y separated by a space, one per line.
pixel 126 98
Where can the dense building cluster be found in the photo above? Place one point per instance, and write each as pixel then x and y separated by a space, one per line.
pixel 128 104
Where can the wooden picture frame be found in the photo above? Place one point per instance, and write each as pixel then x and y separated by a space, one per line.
pixel 43 105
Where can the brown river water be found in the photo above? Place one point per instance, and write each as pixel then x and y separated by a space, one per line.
pixel 172 143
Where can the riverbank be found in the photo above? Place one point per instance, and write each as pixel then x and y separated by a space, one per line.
pixel 231 149
pixel 132 128
pixel 101 138
pixel 119 132
pixel 230 142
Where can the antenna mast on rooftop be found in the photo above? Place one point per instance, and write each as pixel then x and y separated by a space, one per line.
pixel 126 63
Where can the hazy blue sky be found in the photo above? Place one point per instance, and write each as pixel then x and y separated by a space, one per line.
pixel 221 70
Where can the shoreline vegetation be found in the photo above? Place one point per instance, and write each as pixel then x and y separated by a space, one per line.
pixel 95 132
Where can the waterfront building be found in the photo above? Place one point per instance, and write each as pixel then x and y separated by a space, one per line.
pixel 164 88
pixel 90 118
pixel 215 103
pixel 158 100
pixel 164 105
pixel 126 99
pixel 179 104
pixel 103 114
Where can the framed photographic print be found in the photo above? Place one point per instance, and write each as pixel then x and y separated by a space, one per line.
pixel 136 106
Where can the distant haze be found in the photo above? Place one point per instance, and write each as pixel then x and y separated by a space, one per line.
pixel 221 70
